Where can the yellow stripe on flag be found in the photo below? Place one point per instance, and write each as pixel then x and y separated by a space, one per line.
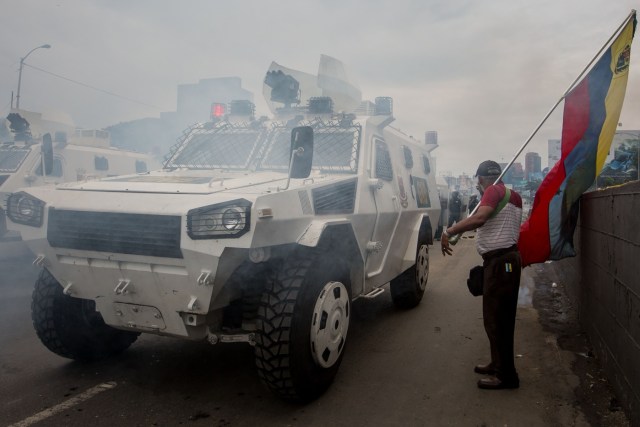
pixel 620 54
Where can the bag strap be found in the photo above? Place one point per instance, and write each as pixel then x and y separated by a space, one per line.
pixel 502 204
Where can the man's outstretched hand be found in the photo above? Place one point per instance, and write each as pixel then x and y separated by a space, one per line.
pixel 444 245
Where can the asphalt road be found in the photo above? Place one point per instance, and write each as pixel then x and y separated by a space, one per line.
pixel 401 368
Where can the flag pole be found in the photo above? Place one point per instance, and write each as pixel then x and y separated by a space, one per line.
pixel 535 131
pixel 454 239
pixel 571 86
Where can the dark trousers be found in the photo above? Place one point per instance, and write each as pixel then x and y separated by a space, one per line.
pixel 502 270
pixel 453 217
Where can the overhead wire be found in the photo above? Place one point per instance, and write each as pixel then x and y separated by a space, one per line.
pixel 94 88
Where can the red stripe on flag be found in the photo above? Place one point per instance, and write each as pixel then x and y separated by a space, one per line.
pixel 576 117
pixel 534 244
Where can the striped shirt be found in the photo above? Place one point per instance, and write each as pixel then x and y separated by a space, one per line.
pixel 502 230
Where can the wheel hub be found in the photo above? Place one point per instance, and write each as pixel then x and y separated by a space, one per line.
pixel 422 267
pixel 329 324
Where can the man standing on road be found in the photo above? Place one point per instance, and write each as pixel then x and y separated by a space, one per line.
pixel 455 206
pixel 498 222
pixel 473 201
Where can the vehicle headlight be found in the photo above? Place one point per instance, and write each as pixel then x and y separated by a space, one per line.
pixel 232 218
pixel 23 208
pixel 223 220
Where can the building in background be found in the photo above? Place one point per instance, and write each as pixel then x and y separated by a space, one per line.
pixel 532 166
pixel 514 175
pixel 194 105
pixel 195 99
pixel 623 160
pixel 554 152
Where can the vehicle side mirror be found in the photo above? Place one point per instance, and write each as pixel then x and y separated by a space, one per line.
pixel 301 152
pixel 47 154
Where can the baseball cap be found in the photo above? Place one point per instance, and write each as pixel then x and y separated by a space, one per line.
pixel 488 168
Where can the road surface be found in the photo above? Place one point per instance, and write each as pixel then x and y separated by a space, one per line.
pixel 401 368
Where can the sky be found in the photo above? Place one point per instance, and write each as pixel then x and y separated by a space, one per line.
pixel 483 74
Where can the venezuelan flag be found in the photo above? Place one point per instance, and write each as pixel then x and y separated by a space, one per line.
pixel 591 112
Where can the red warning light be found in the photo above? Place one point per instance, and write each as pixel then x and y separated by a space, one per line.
pixel 217 110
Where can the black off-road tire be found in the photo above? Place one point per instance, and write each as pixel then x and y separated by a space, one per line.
pixel 3 223
pixel 287 361
pixel 71 327
pixel 408 289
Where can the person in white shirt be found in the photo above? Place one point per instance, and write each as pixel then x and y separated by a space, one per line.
pixel 498 221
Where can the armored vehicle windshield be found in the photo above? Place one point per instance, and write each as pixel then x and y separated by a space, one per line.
pixel 336 147
pixel 225 146
pixel 230 146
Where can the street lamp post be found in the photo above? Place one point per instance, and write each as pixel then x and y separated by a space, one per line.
pixel 44 46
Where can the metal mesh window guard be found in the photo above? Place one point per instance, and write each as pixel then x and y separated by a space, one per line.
pixel 222 147
pixel 335 148
pixel 426 166
pixel 408 157
pixel 384 169
pixel 12 158
pixel 231 146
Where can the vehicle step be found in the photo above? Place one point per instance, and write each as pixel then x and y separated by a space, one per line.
pixel 374 293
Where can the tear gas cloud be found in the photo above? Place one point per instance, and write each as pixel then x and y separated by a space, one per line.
pixel 481 74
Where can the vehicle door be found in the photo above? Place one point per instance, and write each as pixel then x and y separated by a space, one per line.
pixel 387 196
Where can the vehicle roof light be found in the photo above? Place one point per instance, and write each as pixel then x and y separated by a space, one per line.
pixel 242 107
pixel 217 110
pixel 384 105
pixel 320 105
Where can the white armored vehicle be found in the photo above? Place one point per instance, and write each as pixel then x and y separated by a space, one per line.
pixel 69 155
pixel 259 231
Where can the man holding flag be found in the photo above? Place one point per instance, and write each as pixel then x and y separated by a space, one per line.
pixel 497 219
pixel 591 112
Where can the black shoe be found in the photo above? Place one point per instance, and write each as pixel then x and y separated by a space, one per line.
pixel 495 383
pixel 485 369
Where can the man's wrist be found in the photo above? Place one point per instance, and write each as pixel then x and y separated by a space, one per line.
pixel 447 235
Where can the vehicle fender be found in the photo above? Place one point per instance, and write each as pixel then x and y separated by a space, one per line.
pixel 313 233
pixel 422 233
pixel 337 238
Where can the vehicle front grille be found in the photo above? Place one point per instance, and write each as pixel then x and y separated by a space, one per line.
pixel 136 234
